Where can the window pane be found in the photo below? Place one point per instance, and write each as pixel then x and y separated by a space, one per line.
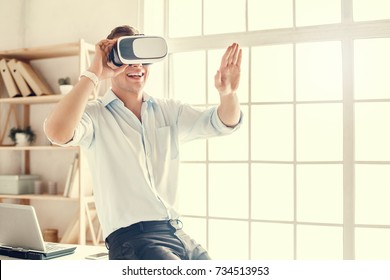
pixel 309 12
pixel 319 242
pixel 188 12
pixel 214 62
pixel 372 68
pixel 221 235
pixel 155 85
pixel 319 132
pixel 228 190
pixel 272 132
pixel 192 188
pixel 272 73
pixel 231 147
pixel 272 241
pixel 272 192
pixel 223 16
pixel 372 136
pixel 184 86
pixel 372 244
pixel 196 228
pixel 372 194
pixel 193 151
pixel 265 14
pixel 371 10
pixel 317 185
pixel 319 71
pixel 153 17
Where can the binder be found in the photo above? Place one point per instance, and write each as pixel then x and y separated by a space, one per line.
pixel 38 85
pixel 20 82
pixel 8 80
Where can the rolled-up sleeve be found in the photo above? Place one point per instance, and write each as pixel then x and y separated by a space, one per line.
pixel 220 126
pixel 83 134
pixel 195 123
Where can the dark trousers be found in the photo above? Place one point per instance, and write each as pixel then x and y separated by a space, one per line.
pixel 154 240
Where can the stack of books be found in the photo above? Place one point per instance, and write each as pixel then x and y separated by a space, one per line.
pixel 21 79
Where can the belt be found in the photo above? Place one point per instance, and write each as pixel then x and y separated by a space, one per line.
pixel 142 227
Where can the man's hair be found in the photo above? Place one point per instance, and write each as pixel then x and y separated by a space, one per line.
pixel 124 30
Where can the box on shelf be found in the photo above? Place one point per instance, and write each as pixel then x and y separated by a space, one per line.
pixel 17 184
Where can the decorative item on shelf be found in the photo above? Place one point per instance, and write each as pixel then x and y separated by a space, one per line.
pixel 22 136
pixel 50 235
pixel 52 188
pixel 38 187
pixel 18 183
pixel 65 85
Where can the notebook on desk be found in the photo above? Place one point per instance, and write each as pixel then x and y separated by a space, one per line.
pixel 21 237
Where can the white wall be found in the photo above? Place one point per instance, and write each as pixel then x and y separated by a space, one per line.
pixel 30 23
pixel 12 25
pixel 12 36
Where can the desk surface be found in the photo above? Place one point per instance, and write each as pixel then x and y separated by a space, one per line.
pixel 81 252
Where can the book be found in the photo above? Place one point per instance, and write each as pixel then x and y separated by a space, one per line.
pixel 23 87
pixel 68 180
pixel 72 182
pixel 75 184
pixel 37 84
pixel 8 80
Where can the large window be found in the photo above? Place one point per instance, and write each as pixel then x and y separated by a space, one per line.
pixel 307 175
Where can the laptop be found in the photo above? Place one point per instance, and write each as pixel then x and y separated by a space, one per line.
pixel 21 237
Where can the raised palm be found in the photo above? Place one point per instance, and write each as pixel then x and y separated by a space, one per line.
pixel 227 78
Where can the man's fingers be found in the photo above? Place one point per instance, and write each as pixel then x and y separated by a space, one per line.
pixel 232 55
pixel 106 45
pixel 237 54
pixel 226 56
pixel 239 58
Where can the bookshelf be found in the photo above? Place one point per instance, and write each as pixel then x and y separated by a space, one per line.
pixel 35 148
pixel 11 108
pixel 28 197
pixel 31 100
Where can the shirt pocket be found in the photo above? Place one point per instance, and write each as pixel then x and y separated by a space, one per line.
pixel 166 144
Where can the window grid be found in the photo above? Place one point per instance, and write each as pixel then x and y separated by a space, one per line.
pixel 336 32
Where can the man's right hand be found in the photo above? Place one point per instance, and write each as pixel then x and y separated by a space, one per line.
pixel 100 66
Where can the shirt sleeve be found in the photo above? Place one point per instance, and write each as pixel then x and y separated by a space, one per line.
pixel 220 126
pixel 194 123
pixel 83 134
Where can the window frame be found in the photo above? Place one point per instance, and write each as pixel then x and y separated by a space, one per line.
pixel 346 32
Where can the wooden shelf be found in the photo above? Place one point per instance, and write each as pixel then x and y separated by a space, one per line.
pixel 53 51
pixel 38 197
pixel 43 99
pixel 32 99
pixel 36 148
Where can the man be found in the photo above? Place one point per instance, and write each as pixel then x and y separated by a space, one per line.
pixel 132 144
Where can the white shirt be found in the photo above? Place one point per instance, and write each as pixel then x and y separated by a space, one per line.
pixel 134 165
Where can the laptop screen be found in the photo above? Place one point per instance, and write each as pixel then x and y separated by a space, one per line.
pixel 20 227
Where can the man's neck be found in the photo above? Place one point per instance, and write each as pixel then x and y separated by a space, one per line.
pixel 132 101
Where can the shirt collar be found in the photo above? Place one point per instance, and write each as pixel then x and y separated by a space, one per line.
pixel 110 96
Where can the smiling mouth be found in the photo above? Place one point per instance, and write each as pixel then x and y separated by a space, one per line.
pixel 135 75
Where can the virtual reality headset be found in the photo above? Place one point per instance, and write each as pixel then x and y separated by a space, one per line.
pixel 138 49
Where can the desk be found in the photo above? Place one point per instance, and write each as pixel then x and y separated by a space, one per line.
pixel 81 252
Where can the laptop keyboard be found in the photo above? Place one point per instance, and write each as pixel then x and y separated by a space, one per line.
pixel 52 247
